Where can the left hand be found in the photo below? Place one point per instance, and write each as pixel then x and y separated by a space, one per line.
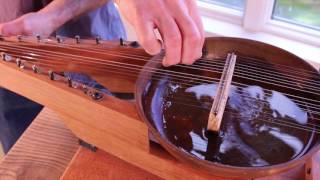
pixel 29 24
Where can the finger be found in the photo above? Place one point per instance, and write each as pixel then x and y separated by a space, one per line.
pixel 172 38
pixel 195 15
pixel 192 46
pixel 12 28
pixel 9 29
pixel 147 37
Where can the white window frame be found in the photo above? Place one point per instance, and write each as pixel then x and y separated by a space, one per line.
pixel 255 22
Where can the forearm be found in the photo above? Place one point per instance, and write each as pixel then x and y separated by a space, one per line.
pixel 61 11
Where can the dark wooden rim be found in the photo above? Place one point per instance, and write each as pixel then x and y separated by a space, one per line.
pixel 212 167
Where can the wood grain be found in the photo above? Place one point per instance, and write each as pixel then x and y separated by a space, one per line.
pixel 42 152
pixel 111 124
pixel 103 166
pixel 312 168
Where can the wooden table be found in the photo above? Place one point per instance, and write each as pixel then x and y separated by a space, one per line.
pixel 48 150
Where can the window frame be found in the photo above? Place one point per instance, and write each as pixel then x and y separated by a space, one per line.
pixel 254 21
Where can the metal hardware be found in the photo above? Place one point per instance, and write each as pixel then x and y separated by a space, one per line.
pixel 59 39
pixel 87 145
pixel 38 38
pixel 19 63
pixel 19 37
pixel 70 82
pixel 122 42
pixel 35 69
pixel 51 75
pixel 98 39
pixel 134 44
pixel 77 37
pixel 6 57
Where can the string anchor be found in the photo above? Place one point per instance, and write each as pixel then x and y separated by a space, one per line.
pixel 222 93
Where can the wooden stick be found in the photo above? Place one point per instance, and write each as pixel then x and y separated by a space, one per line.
pixel 221 97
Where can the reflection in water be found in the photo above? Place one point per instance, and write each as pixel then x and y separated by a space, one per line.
pixel 247 137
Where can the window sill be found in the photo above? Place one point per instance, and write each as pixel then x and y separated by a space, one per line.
pixel 215 27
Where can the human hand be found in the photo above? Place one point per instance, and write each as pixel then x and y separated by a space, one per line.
pixel 178 22
pixel 29 24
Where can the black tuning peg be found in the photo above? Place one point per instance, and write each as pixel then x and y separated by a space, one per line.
pixel 59 39
pixel 38 38
pixel 122 42
pixel 77 37
pixel 98 39
pixel 19 37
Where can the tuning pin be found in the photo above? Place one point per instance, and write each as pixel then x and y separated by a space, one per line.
pixel 77 37
pixel 38 38
pixel 19 37
pixel 19 63
pixel 121 42
pixel 51 75
pixel 35 69
pixel 59 39
pixel 134 44
pixel 5 57
pixel 69 82
pixel 98 40
pixel 96 96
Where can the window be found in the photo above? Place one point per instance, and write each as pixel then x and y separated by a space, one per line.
pixel 234 4
pixel 297 20
pixel 290 24
pixel 301 12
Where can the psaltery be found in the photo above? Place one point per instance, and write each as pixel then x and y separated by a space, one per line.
pixel 264 101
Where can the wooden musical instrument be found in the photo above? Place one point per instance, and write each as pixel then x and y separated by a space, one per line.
pixel 270 123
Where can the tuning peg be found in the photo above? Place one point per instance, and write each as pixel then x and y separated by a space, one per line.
pixel 35 69
pixel 19 37
pixel 51 75
pixel 5 57
pixel 59 39
pixel 122 42
pixel 19 63
pixel 98 39
pixel 38 38
pixel 77 37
